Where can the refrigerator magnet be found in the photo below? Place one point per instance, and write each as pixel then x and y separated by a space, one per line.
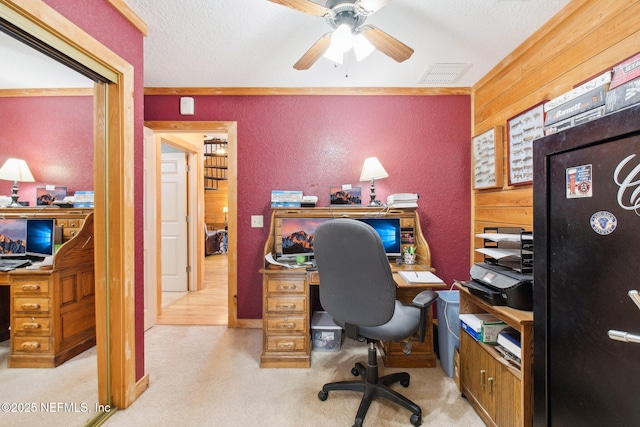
pixel 603 222
pixel 579 182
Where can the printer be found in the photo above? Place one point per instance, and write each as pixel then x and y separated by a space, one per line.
pixel 499 285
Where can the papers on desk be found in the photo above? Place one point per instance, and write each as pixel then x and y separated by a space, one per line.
pixel 503 237
pixel 419 277
pixel 271 260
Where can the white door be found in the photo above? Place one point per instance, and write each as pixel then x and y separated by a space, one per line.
pixel 174 222
pixel 150 238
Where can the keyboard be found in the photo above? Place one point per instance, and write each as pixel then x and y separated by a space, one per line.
pixel 12 264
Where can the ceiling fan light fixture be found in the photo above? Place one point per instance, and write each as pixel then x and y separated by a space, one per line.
pixel 343 40
pixel 362 47
pixel 341 43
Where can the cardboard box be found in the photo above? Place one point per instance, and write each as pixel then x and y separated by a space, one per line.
pixel 456 367
pixel 589 100
pixel 601 80
pixel 325 334
pixel 483 327
pixel 585 117
pixel 623 96
pixel 626 71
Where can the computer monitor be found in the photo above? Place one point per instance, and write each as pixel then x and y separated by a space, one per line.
pixel 40 236
pixel 297 235
pixel 389 231
pixel 13 237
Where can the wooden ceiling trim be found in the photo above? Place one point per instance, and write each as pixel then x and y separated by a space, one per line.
pixel 22 93
pixel 244 91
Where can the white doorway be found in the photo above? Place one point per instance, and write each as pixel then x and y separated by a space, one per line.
pixel 174 214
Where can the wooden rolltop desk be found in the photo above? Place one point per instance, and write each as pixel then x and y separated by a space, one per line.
pixel 52 309
pixel 288 294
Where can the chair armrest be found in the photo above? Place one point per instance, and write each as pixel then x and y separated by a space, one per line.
pixel 424 300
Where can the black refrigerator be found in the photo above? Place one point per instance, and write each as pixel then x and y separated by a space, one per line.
pixel 586 196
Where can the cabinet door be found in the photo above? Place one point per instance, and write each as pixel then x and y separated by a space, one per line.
pixel 489 382
pixel 470 355
pixel 508 400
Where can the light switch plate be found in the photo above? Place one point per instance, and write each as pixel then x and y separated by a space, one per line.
pixel 257 221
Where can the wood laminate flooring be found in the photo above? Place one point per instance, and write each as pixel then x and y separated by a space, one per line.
pixel 207 306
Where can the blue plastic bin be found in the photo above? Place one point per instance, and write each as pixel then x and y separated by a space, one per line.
pixel 448 327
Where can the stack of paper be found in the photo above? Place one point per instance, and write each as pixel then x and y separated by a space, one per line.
pixel 403 200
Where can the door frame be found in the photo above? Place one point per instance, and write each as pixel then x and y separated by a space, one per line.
pixel 114 219
pixel 230 128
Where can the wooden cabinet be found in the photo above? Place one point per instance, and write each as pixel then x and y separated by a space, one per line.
pixel 500 393
pixel 53 310
pixel 285 314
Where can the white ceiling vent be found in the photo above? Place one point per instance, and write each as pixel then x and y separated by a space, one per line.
pixel 444 73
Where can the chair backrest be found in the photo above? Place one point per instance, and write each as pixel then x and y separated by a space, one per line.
pixel 356 285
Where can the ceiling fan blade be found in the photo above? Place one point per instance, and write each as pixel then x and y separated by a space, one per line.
pixel 386 44
pixel 314 53
pixel 305 6
pixel 367 7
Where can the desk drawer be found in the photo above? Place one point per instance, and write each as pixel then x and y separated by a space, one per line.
pixel 31 305
pixel 33 325
pixel 31 344
pixel 314 278
pixel 286 285
pixel 287 324
pixel 30 285
pixel 290 343
pixel 278 304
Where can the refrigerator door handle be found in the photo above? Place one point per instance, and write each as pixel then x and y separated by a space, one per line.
pixel 623 336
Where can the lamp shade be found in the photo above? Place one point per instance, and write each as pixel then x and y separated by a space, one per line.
pixel 372 169
pixel 16 170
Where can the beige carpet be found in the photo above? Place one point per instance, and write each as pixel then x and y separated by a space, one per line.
pixel 210 376
pixel 65 396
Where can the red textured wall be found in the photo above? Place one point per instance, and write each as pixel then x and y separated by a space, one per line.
pixel 311 143
pixel 99 19
pixel 55 137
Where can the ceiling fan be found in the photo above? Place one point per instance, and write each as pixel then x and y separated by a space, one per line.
pixel 347 17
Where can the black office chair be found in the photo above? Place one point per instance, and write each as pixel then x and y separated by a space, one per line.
pixel 358 291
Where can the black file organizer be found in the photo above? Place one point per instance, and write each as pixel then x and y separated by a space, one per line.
pixel 523 262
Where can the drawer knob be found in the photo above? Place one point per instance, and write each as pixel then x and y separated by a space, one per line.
pixel 30 345
pixel 286 306
pixel 31 325
pixel 31 287
pixel 285 345
pixel 288 325
pixel 31 306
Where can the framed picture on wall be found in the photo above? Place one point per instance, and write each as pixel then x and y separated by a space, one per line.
pixel 522 130
pixel 487 159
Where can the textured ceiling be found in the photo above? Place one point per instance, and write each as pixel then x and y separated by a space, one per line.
pixel 254 43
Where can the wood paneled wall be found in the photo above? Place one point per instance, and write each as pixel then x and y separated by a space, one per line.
pixel 586 38
pixel 214 201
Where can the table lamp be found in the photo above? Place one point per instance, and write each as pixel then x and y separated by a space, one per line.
pixel 15 170
pixel 225 210
pixel 372 170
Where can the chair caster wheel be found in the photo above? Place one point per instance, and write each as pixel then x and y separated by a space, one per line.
pixel 322 395
pixel 416 420
pixel 354 372
pixel 405 383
